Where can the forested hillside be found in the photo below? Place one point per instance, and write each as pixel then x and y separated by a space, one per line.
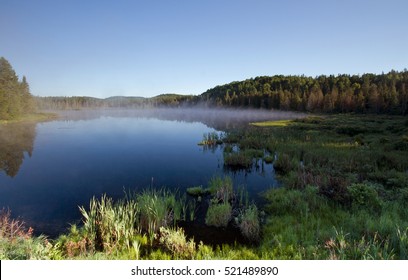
pixel 15 96
pixel 384 93
pixel 80 102
pixel 368 93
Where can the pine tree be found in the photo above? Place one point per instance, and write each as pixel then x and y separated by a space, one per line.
pixel 15 97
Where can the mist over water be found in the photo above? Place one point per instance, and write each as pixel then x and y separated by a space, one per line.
pixel 218 118
pixel 58 165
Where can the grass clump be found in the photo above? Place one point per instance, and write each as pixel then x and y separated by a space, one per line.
pixel 197 191
pixel 211 139
pixel 174 240
pixel 248 223
pixel 221 188
pixel 239 160
pixel 283 164
pixel 218 215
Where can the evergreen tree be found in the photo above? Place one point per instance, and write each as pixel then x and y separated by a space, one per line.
pixel 15 97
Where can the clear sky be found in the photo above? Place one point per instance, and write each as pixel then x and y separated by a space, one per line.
pixel 145 48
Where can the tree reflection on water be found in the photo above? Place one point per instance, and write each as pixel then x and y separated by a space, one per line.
pixel 15 140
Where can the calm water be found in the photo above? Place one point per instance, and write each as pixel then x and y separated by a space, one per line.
pixel 48 169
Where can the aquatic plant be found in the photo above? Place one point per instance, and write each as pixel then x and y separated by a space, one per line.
pixel 218 215
pixel 221 188
pixel 248 223
pixel 283 164
pixel 108 225
pixel 211 138
pixel 238 160
pixel 197 191
pixel 157 209
pixel 192 204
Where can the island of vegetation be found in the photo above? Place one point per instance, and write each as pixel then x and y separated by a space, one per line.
pixel 343 175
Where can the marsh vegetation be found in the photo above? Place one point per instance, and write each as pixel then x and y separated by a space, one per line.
pixel 344 186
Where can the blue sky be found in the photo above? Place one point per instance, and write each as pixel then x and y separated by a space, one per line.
pixel 145 48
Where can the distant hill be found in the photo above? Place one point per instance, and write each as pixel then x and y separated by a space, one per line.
pixel 78 102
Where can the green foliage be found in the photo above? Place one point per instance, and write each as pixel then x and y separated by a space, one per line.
pixel 239 160
pixel 268 159
pixel 218 215
pixel 15 96
pixel 384 93
pixel 17 242
pixel 211 138
pixel 221 188
pixel 248 223
pixel 176 243
pixel 197 191
pixel 364 196
pixel 284 164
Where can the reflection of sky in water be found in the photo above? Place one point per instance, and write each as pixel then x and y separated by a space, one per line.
pixel 75 160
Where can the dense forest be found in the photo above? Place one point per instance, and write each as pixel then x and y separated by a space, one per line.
pixel 384 93
pixel 15 97
pixel 369 93
pixel 79 102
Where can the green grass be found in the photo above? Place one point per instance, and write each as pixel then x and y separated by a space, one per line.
pixel 279 123
pixel 218 215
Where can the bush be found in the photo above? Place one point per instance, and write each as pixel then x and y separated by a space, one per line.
pixel 364 196
pixel 175 242
pixel 218 215
pixel 17 242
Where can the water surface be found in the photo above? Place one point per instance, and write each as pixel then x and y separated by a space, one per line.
pixel 48 169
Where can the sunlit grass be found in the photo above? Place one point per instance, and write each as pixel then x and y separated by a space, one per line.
pixel 279 123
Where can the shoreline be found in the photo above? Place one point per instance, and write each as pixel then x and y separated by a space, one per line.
pixel 34 117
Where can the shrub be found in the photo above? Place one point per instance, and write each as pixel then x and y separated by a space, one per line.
pixel 175 242
pixel 17 242
pixel 364 196
pixel 218 215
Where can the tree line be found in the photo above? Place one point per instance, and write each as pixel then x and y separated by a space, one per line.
pixel 368 93
pixel 15 97
pixel 81 102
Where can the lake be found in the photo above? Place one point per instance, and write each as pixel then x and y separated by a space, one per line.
pixel 48 169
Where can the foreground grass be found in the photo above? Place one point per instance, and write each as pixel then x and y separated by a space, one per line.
pixel 343 196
